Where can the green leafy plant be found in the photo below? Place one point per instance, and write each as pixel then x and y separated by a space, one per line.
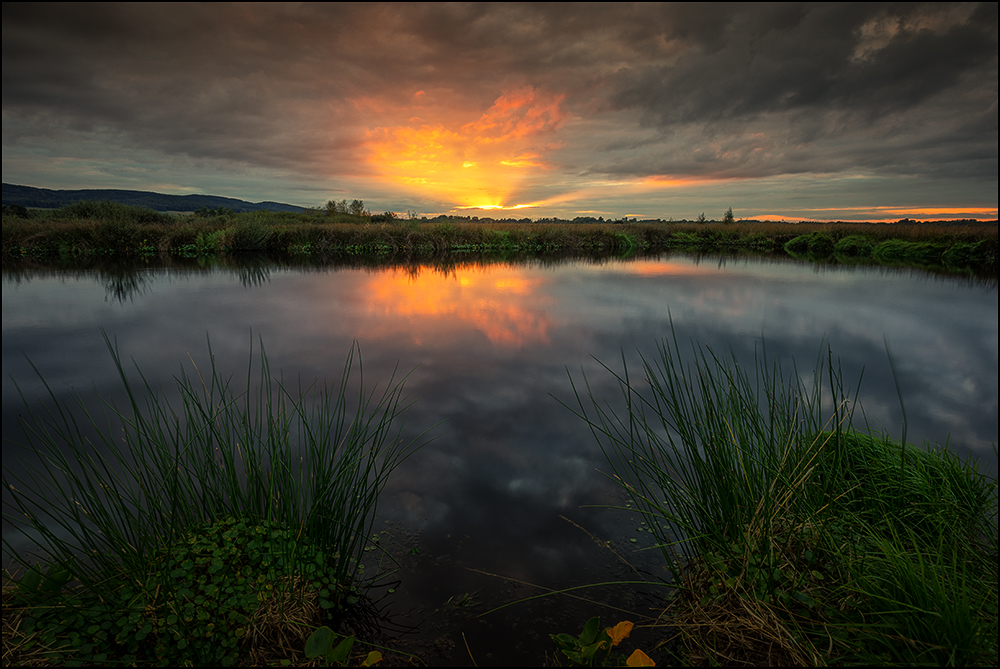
pixel 583 649
pixel 35 587
pixel 321 643
pixel 594 646
pixel 336 649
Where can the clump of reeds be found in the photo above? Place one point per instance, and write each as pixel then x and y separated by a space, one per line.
pixel 180 524
pixel 250 234
pixel 793 537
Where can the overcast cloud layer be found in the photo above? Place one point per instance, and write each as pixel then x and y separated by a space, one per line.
pixel 800 111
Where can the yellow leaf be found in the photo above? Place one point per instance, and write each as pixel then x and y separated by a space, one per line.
pixel 619 632
pixel 639 659
pixel 373 657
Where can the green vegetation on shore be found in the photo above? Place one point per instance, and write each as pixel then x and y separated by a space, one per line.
pixel 107 229
pixel 794 538
pixel 218 526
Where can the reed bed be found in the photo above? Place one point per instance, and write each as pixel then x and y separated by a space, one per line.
pixel 122 231
pixel 795 537
pixel 203 527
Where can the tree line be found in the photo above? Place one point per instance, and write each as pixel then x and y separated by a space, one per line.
pixel 354 208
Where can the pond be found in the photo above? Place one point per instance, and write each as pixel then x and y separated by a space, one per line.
pixel 509 495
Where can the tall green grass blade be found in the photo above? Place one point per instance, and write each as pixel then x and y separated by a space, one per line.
pixel 794 535
pixel 310 458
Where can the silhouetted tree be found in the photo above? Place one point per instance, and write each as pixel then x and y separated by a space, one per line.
pixel 334 207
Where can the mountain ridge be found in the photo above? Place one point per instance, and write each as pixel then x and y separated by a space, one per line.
pixel 47 198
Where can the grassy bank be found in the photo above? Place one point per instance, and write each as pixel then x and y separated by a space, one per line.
pixel 219 525
pixel 793 538
pixel 108 229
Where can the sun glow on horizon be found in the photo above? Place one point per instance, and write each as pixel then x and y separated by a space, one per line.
pixel 890 214
pixel 477 164
pixel 501 207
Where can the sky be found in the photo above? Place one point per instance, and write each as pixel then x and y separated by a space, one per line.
pixel 785 112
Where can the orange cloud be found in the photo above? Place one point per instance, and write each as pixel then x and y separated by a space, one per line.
pixel 657 181
pixel 478 163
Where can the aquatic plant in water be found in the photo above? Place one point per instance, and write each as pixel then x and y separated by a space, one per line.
pixel 594 646
pixel 199 517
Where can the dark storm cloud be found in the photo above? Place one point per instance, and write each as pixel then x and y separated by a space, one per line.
pixel 754 60
pixel 243 83
pixel 921 77
pixel 689 90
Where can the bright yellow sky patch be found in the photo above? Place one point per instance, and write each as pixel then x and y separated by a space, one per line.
pixel 479 163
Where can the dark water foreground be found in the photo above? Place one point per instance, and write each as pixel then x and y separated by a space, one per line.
pixel 504 499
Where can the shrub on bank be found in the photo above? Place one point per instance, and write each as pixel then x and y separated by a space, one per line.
pixel 107 212
pixel 978 254
pixel 854 246
pixel 900 252
pixel 814 246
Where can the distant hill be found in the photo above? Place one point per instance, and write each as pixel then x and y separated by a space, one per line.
pixel 46 198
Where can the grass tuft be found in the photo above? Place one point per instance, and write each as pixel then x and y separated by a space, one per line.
pixel 793 537
pixel 203 526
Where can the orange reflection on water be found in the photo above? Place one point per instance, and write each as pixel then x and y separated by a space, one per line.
pixel 479 163
pixel 498 302
pixel 664 268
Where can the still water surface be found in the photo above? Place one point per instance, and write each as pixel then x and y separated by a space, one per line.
pixel 489 347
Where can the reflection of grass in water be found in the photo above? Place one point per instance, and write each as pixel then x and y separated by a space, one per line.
pixel 794 538
pixel 201 521
pixel 124 284
pixel 253 270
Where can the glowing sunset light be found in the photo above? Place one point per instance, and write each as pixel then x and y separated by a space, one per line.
pixel 889 213
pixel 663 181
pixel 500 303
pixel 939 212
pixel 498 206
pixel 476 164
pixel 613 189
